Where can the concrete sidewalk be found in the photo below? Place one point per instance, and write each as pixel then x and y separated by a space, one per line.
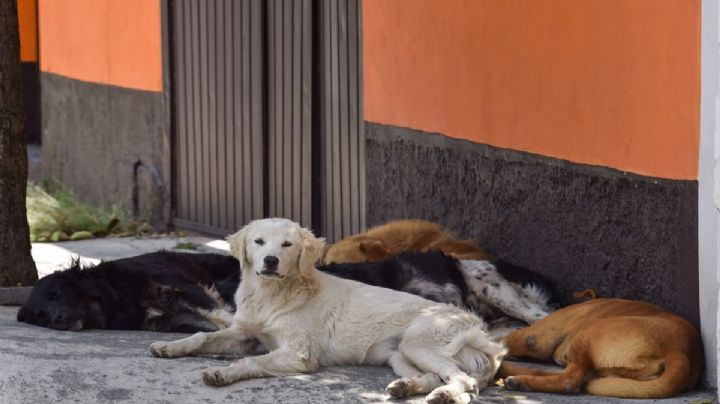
pixel 46 366
pixel 39 365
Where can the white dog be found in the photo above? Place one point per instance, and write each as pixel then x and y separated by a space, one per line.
pixel 309 319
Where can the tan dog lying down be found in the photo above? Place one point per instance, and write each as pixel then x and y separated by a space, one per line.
pixel 611 347
pixel 398 236
pixel 309 319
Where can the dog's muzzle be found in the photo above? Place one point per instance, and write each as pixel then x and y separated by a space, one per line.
pixel 76 325
pixel 271 265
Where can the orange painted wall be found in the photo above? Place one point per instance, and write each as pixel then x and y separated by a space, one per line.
pixel 115 42
pixel 27 23
pixel 605 82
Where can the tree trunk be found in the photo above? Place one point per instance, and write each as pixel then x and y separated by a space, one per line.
pixel 16 265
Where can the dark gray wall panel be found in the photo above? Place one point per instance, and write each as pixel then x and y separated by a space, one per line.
pixel 295 145
pixel 341 143
pixel 586 227
pixel 218 113
pixel 289 109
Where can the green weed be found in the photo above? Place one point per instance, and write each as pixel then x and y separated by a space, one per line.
pixel 54 214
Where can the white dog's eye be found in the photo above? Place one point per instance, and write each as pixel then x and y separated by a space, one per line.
pixel 259 241
pixel 286 244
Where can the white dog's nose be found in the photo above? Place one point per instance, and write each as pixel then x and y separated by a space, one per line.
pixel 271 261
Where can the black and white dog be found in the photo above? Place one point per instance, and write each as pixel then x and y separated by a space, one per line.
pixel 184 292
pixel 162 291
pixel 491 289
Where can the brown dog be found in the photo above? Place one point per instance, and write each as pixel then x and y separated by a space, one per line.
pixel 398 236
pixel 611 347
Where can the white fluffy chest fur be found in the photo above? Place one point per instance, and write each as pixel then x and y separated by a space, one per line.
pixel 342 321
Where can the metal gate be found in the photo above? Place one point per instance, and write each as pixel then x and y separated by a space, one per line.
pixel 266 113
pixel 289 73
pixel 218 113
pixel 340 119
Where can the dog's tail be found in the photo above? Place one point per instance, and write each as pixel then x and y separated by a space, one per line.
pixel 675 378
pixel 478 353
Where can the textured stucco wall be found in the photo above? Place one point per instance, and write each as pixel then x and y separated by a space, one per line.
pixel 551 77
pixel 95 135
pixel 116 42
pixel 585 227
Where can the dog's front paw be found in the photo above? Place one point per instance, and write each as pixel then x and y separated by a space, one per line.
pixel 163 349
pixel 511 383
pixel 216 376
pixel 440 396
pixel 400 388
pixel 448 394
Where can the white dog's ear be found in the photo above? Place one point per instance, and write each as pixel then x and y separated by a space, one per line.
pixel 237 246
pixel 312 249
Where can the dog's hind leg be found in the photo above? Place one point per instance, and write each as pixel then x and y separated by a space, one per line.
pixel 451 345
pixel 506 298
pixel 412 381
pixel 489 286
pixel 228 341
pixel 459 386
pixel 511 369
pixel 569 380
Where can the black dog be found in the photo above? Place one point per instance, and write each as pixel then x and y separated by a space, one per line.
pixel 162 291
pixel 182 292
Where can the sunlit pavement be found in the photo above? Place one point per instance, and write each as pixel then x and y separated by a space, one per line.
pixel 49 257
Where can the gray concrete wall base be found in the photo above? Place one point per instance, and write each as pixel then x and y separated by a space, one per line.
pixel 107 144
pixel 585 227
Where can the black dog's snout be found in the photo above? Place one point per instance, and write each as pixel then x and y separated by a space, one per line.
pixel 271 261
